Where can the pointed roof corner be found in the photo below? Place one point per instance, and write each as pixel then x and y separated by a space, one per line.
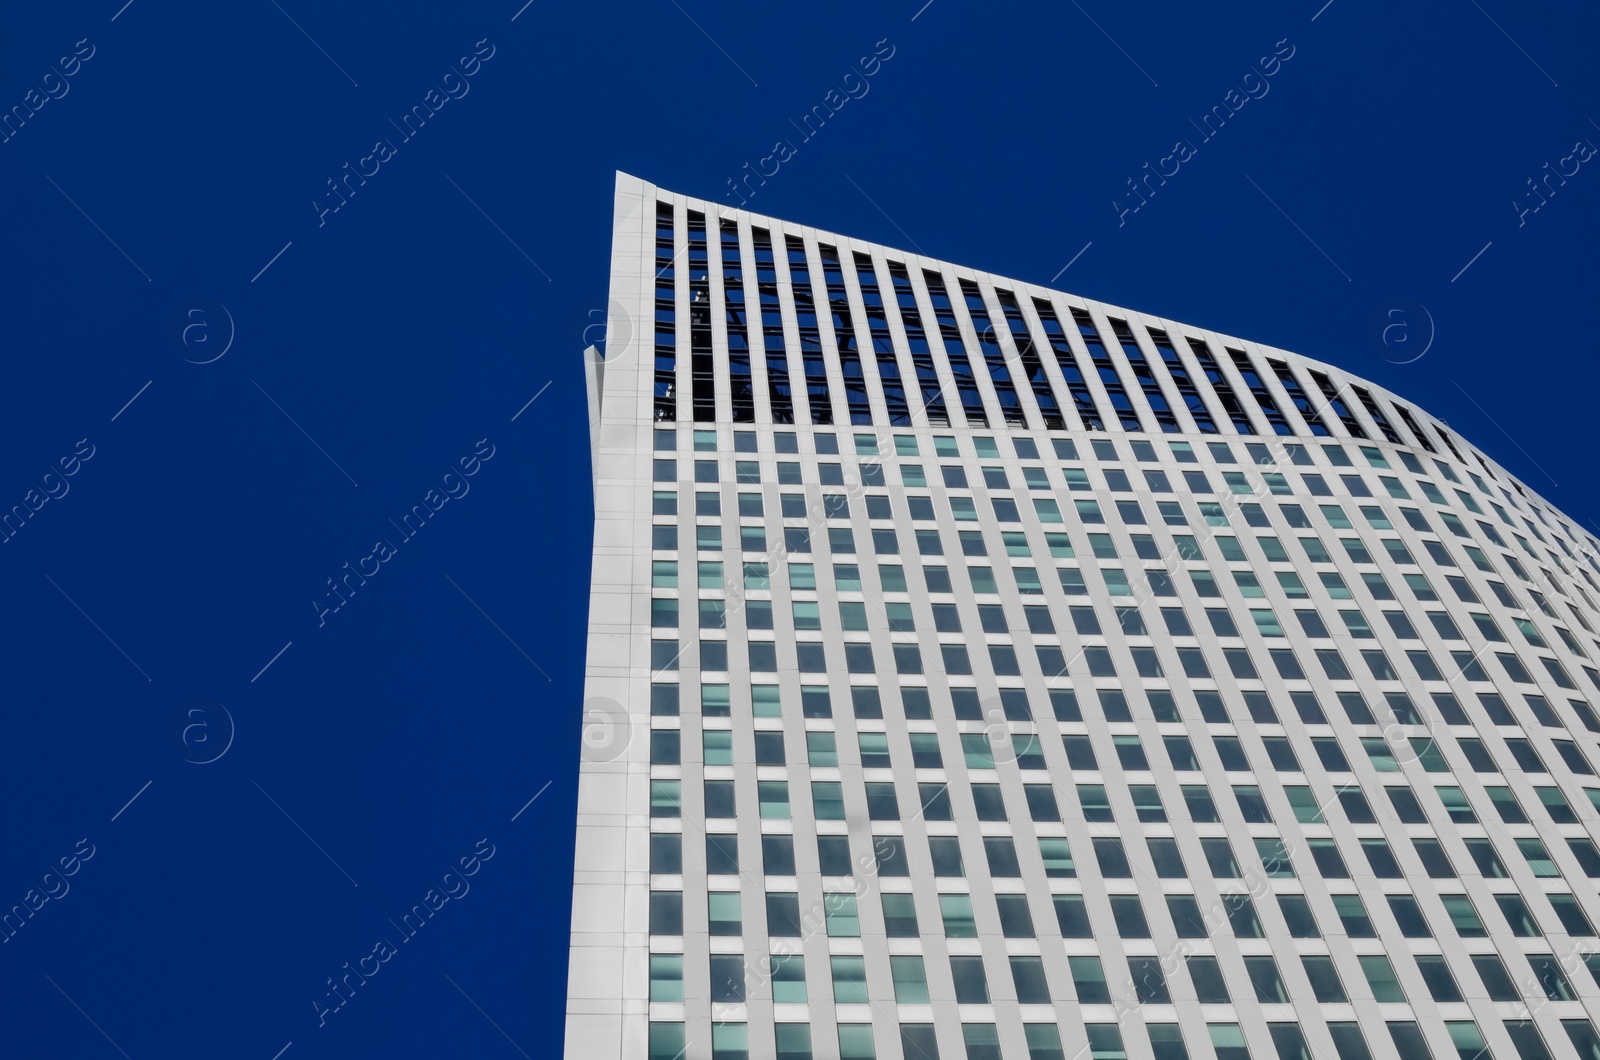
pixel 630 184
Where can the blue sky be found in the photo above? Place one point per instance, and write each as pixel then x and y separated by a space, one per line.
pixel 176 158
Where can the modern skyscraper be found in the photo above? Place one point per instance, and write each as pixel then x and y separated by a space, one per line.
pixel 976 671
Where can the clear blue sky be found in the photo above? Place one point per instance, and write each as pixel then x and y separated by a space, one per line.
pixel 376 345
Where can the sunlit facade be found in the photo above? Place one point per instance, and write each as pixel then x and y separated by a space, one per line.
pixel 976 670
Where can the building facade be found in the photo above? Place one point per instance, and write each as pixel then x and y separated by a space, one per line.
pixel 976 670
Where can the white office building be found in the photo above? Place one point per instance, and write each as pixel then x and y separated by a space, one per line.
pixel 975 670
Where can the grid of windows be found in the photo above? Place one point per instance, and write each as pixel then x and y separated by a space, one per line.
pixel 969 739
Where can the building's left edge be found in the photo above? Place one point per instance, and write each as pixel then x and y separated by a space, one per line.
pixel 608 973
